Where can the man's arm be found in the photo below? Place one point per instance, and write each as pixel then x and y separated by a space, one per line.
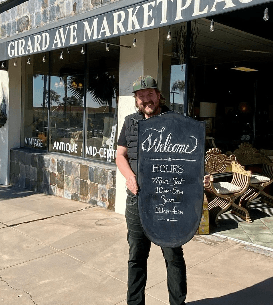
pixel 125 169
pixel 207 179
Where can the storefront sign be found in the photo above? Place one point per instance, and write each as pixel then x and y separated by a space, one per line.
pixel 170 176
pixel 108 154
pixel 112 152
pixel 65 147
pixel 104 153
pixel 34 142
pixel 134 18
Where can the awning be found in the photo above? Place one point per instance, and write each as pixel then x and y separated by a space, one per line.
pixel 8 4
pixel 116 19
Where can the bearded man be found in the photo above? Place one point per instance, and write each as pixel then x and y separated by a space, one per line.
pixel 149 102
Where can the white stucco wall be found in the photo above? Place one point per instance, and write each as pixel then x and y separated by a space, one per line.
pixel 10 83
pixel 134 62
pixel 4 91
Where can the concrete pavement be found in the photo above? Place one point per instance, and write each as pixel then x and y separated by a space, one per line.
pixel 57 251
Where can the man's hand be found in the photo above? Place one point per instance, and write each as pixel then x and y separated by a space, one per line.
pixel 125 169
pixel 207 179
pixel 131 184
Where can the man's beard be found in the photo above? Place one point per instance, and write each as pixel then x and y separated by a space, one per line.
pixel 149 111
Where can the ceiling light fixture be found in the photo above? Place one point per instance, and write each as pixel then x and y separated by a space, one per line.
pixel 266 15
pixel 134 42
pixel 3 65
pixel 44 59
pixel 62 56
pixel 15 63
pixel 211 28
pixel 111 44
pixel 28 61
pixel 245 69
pixel 82 51
pixel 256 51
pixel 169 36
pixel 107 47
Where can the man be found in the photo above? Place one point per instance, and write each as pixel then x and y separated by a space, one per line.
pixel 149 102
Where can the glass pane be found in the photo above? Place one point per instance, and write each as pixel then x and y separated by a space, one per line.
pixel 101 101
pixel 67 101
pixel 66 114
pixel 101 125
pixel 177 87
pixel 35 110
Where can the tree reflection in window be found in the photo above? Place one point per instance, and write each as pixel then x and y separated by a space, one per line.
pixel 66 114
pixel 101 114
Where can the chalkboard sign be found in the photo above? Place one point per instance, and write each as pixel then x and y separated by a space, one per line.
pixel 171 150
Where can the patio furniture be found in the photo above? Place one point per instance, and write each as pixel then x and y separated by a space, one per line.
pixel 250 157
pixel 222 195
pixel 268 153
pixel 210 142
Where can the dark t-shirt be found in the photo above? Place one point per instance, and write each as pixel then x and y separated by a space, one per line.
pixel 128 136
pixel 122 137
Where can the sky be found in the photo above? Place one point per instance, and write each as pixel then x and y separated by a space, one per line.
pixel 177 74
pixel 58 86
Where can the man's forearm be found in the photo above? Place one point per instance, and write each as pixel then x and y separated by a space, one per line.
pixel 125 169
pixel 124 166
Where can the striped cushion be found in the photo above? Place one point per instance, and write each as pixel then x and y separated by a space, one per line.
pixel 256 178
pixel 226 187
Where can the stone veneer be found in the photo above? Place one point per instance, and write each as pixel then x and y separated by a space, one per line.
pixel 78 179
pixel 33 14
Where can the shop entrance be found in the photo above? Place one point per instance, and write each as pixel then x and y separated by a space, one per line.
pixel 229 86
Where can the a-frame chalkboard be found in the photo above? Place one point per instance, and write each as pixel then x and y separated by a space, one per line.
pixel 171 150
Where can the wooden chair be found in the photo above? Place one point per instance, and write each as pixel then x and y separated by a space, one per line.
pixel 249 156
pixel 210 142
pixel 222 195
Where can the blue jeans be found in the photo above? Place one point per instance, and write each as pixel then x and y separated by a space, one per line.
pixel 139 248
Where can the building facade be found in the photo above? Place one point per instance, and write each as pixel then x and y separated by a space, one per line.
pixel 67 69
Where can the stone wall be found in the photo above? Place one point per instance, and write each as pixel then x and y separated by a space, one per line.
pixel 33 14
pixel 64 176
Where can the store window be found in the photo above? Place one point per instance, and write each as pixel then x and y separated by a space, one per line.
pixel 71 102
pixel 66 101
pixel 36 102
pixel 101 103
pixel 177 87
pixel 228 76
pixel 174 66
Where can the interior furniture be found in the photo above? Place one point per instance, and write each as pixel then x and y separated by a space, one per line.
pixel 234 181
pixel 268 153
pixel 262 176
pixel 210 142
pixel 208 113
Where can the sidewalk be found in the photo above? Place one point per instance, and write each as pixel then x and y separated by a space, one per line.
pixel 62 252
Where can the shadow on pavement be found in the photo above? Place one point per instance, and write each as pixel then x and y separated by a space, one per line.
pixel 223 225
pixel 8 192
pixel 259 294
pixel 257 214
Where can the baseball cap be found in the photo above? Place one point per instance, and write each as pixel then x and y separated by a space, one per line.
pixel 144 82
